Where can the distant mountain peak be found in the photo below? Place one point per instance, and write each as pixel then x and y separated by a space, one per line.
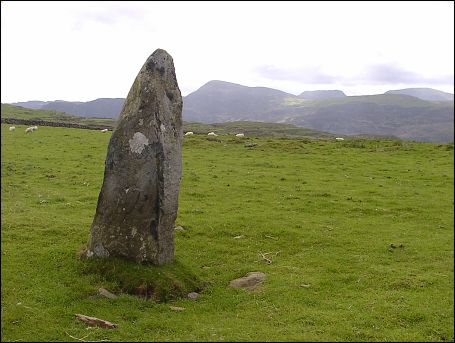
pixel 428 94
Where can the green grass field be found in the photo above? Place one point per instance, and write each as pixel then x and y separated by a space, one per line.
pixel 327 213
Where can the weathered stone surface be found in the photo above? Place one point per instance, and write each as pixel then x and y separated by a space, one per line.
pixel 250 281
pixel 138 201
pixel 105 293
pixel 193 295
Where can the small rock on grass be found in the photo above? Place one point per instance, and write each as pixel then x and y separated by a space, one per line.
pixel 105 293
pixel 177 309
pixel 193 295
pixel 251 281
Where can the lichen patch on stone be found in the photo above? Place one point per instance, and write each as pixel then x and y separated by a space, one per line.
pixel 100 250
pixel 138 143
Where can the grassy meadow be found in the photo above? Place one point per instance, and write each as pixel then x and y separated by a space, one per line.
pixel 359 234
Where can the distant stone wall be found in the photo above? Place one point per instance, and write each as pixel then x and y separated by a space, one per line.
pixel 50 123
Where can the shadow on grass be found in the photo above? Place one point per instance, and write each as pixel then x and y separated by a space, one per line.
pixel 158 283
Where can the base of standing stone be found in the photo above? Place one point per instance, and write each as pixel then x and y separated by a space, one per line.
pixel 144 280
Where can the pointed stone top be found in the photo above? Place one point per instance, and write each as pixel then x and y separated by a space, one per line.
pixel 161 61
pixel 160 52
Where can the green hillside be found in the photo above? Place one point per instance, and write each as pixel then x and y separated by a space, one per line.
pixel 249 128
pixel 17 112
pixel 379 99
pixel 420 114
pixel 399 115
pixel 358 238
pixel 424 93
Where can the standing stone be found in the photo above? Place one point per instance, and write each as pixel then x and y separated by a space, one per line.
pixel 138 202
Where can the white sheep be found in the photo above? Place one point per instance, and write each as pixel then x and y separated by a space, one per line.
pixel 29 129
pixel 212 134
pixel 339 139
pixel 12 128
pixel 104 130
pixel 189 133
pixel 240 135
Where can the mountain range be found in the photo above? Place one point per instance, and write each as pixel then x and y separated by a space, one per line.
pixel 421 114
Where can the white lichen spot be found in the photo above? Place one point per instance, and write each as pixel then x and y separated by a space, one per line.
pixel 133 232
pixel 163 128
pixel 141 121
pixel 138 143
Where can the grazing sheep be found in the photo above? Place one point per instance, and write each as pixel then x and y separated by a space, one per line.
pixel 240 135
pixel 189 133
pixel 104 130
pixel 29 129
pixel 212 134
pixel 12 128
pixel 339 139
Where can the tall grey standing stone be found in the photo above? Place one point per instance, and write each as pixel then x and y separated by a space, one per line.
pixel 138 202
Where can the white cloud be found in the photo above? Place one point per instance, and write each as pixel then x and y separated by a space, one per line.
pixel 86 50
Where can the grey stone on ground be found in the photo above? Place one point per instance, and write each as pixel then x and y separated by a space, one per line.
pixel 177 308
pixel 138 201
pixel 105 293
pixel 251 281
pixel 250 144
pixel 193 295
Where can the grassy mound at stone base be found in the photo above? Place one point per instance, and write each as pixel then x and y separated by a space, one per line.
pixel 159 283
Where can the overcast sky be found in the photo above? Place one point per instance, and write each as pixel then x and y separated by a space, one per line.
pixel 80 51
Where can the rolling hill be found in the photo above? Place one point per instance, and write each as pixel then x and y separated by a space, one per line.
pixel 21 113
pixel 99 108
pixel 424 94
pixel 410 114
pixel 249 128
pixel 398 115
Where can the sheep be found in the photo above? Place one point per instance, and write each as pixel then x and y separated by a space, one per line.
pixel 240 135
pixel 29 129
pixel 212 134
pixel 339 139
pixel 12 128
pixel 189 133
pixel 104 130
